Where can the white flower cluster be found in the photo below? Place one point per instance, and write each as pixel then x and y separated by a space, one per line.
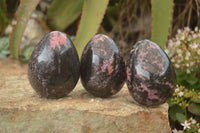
pixel 184 49
pixel 187 125
pixel 179 93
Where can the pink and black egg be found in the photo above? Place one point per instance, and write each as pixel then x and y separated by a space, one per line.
pixel 54 66
pixel 102 67
pixel 151 77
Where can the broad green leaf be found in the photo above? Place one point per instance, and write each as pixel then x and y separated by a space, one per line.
pixel 23 13
pixel 4 44
pixel 174 110
pixel 3 18
pixel 197 118
pixel 192 79
pixel 194 108
pixel 196 101
pixel 62 13
pixel 92 15
pixel 27 52
pixel 180 117
pixel 162 11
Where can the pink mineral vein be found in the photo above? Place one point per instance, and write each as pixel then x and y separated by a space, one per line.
pixel 107 64
pixel 98 38
pixel 58 39
pixel 128 73
pixel 151 93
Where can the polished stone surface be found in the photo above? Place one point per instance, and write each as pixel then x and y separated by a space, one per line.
pixel 151 77
pixel 102 67
pixel 54 66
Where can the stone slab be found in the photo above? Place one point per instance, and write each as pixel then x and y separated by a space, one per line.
pixel 23 111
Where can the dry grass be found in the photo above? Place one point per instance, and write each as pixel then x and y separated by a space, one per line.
pixel 134 24
pixel 134 21
pixel 186 13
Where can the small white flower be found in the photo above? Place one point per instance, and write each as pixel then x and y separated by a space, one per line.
pixel 175 130
pixel 177 90
pixel 198 52
pixel 14 22
pixel 186 125
pixel 187 29
pixel 182 37
pixel 179 51
pixel 196 29
pixel 177 65
pixel 188 71
pixel 170 43
pixel 188 53
pixel 179 31
pixel 194 36
pixel 194 121
pixel 167 51
pixel 192 63
pixel 179 61
pixel 195 45
pixel 178 43
pixel 186 57
pixel 190 45
pixel 199 130
pixel 181 93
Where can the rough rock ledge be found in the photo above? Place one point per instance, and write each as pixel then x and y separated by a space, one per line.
pixel 22 110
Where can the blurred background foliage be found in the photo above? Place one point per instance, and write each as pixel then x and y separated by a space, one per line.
pixel 126 21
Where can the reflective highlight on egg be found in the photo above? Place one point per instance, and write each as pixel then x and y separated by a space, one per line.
pixel 54 66
pixel 102 67
pixel 151 77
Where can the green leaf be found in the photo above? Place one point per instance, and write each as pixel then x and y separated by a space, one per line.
pixel 197 101
pixel 197 118
pixel 62 13
pixel 194 108
pixel 180 117
pixel 23 13
pixel 5 52
pixel 170 103
pixel 4 43
pixel 192 79
pixel 174 110
pixel 92 15
pixel 27 52
pixel 3 18
pixel 162 11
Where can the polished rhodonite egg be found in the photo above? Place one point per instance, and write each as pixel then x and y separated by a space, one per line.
pixel 151 77
pixel 54 66
pixel 102 67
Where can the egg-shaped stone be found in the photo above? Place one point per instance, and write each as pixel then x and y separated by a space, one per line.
pixel 54 66
pixel 150 77
pixel 102 67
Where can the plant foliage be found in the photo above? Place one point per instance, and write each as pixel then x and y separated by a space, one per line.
pixel 62 13
pixel 3 18
pixel 92 15
pixel 4 44
pixel 23 14
pixel 185 103
pixel 162 11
